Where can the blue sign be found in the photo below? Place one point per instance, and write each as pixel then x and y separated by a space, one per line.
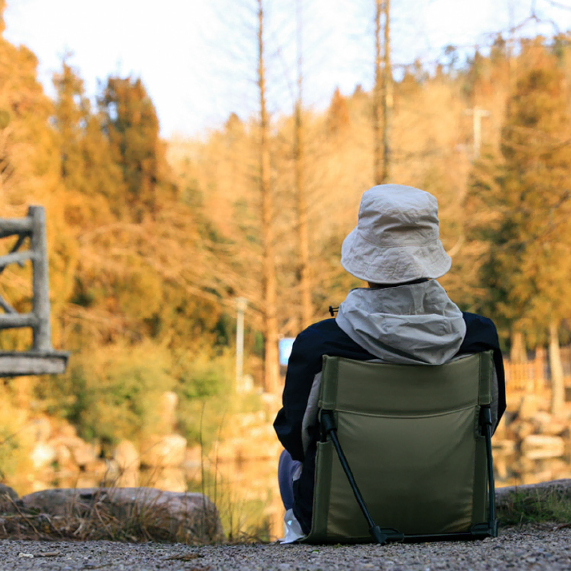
pixel 285 346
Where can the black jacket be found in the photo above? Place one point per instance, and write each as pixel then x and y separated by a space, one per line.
pixel 327 338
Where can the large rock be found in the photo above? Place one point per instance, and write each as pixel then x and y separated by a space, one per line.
pixel 247 419
pixel 83 454
pixel 38 429
pixel 194 457
pixel 259 447
pixel 184 517
pixel 168 479
pixel 167 411
pixel 545 423
pixel 7 499
pixel 541 420
pixel 556 428
pixel 127 479
pixel 127 456
pixel 503 447
pixel 528 407
pixel 272 402
pixel 537 446
pixel 64 458
pixel 163 451
pixel 520 429
pixel 123 468
pixel 43 455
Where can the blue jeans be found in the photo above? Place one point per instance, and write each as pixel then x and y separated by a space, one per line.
pixel 286 469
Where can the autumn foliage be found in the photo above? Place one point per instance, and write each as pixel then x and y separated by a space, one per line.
pixel 151 241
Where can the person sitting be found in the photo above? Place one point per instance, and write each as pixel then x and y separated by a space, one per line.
pixel 404 316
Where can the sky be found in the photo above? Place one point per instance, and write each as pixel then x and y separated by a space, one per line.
pixel 197 57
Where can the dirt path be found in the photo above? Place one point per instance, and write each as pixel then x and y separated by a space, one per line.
pixel 537 547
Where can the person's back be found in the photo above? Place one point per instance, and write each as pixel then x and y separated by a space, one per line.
pixel 403 317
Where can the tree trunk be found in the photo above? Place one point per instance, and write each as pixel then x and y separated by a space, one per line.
pixel 303 240
pixel 387 95
pixel 377 98
pixel 270 328
pixel 517 349
pixel 557 385
pixel 382 93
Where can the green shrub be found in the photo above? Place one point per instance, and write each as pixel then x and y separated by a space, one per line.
pixel 15 444
pixel 111 392
pixel 206 395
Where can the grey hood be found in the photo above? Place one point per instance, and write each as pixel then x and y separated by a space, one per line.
pixel 408 324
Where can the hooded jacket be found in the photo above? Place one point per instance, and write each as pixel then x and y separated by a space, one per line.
pixel 406 324
pixel 413 324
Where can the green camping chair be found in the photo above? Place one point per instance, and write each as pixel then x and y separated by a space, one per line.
pixel 405 452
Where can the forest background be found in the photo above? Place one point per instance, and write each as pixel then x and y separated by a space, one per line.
pixel 151 241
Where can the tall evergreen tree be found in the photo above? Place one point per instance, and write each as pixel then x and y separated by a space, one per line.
pixel 87 165
pixel 71 112
pixel 132 126
pixel 529 269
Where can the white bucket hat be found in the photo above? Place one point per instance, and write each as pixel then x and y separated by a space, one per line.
pixel 396 238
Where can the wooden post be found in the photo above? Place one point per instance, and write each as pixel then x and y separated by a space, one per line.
pixel 41 359
pixel 40 280
pixel 557 381
pixel 539 370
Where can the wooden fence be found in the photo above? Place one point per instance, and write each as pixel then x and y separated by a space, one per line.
pixel 41 357
pixel 527 377
pixel 534 376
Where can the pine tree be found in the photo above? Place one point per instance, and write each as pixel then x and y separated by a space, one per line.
pixel 338 119
pixel 87 166
pixel 70 115
pixel 132 126
pixel 529 269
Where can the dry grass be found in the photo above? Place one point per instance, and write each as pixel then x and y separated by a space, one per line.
pixel 94 518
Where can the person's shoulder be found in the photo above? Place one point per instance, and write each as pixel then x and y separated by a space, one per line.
pixel 326 327
pixel 474 320
pixel 325 338
pixel 480 329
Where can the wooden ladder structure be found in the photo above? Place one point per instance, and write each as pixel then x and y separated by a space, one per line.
pixel 41 358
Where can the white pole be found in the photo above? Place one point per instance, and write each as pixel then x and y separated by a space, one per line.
pixel 477 114
pixel 241 304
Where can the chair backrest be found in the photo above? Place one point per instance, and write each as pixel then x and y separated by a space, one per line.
pixel 412 437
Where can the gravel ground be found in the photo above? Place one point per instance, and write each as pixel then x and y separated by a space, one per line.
pixel 531 547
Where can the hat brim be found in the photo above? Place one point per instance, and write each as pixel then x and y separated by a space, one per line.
pixel 391 265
